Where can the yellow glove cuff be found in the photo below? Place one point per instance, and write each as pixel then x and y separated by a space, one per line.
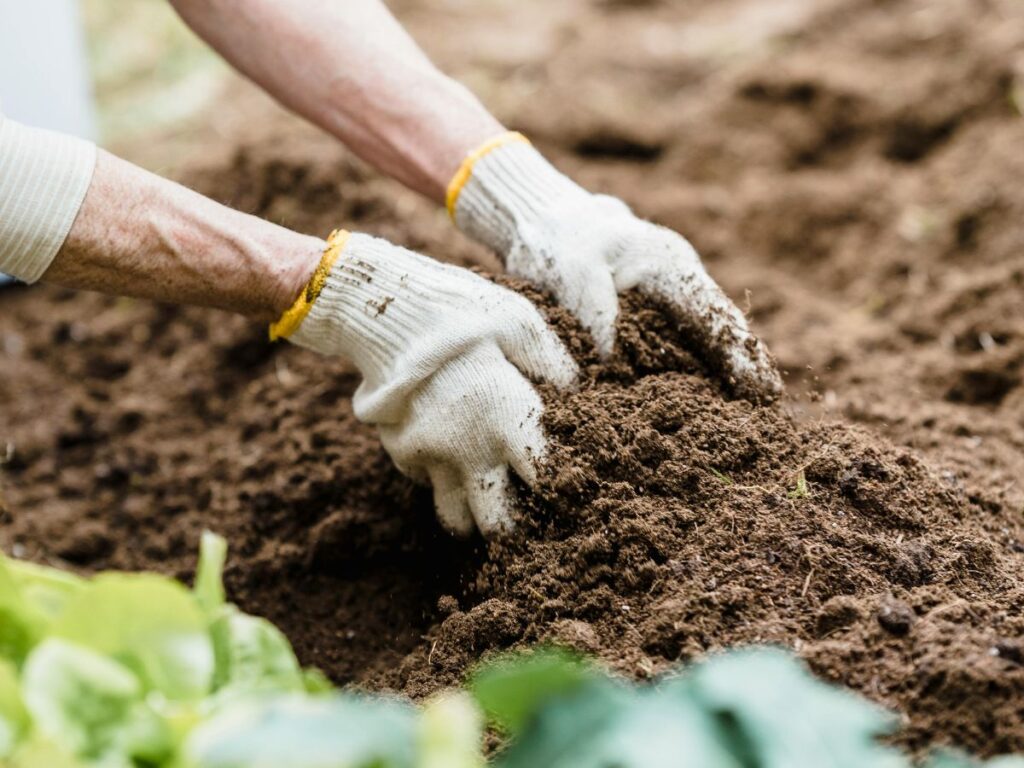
pixel 293 317
pixel 466 169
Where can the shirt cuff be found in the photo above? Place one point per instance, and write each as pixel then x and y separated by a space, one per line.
pixel 43 180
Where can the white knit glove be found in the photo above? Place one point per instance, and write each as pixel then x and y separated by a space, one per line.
pixel 445 356
pixel 586 249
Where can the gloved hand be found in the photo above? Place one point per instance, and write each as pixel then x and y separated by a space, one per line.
pixel 586 249
pixel 444 355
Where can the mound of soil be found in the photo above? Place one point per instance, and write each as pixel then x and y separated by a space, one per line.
pixel 850 170
pixel 672 522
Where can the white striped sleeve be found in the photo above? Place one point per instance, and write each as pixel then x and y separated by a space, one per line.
pixel 43 180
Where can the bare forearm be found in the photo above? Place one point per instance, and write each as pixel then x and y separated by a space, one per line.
pixel 137 234
pixel 350 68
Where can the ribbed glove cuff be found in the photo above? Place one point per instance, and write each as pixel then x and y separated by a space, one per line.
pixel 43 180
pixel 503 189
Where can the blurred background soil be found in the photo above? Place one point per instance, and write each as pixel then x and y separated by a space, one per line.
pixel 849 169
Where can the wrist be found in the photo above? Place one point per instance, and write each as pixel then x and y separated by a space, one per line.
pixel 267 266
pixel 290 273
pixel 504 187
pixel 420 145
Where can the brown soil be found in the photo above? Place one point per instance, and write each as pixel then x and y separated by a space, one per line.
pixel 673 522
pixel 851 170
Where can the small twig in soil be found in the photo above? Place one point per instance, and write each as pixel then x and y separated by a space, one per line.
pixel 807 582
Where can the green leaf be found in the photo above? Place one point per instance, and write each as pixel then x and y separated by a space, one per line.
pixel 38 752
pixel 316 682
pixel 450 733
pixel 209 586
pixel 726 480
pixel 608 725
pixel 46 589
pixel 13 717
pixel 252 655
pixel 513 689
pixel 799 490
pixel 773 713
pixel 90 706
pixel 564 726
pixel 31 597
pixel 21 624
pixel 301 732
pixel 149 623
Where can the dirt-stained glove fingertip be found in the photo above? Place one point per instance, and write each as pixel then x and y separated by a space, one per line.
pixel 490 500
pixel 755 375
pixel 450 501
pixel 567 374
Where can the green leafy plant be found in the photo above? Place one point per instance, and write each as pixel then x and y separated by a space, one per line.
pixel 749 708
pixel 117 670
pixel 136 671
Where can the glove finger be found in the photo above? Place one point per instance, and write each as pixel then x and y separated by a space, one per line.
pixel 535 349
pixel 404 460
pixel 527 447
pixel 723 331
pixel 450 500
pixel 490 500
pixel 595 303
pixel 718 325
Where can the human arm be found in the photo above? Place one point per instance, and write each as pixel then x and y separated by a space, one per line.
pixel 141 235
pixel 77 216
pixel 445 354
pixel 350 68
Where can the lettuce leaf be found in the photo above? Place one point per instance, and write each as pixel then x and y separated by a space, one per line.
pixel 512 688
pixel 449 733
pixel 92 707
pixel 148 623
pixel 753 695
pixel 37 752
pixel 47 590
pixel 13 717
pixel 301 732
pixel 252 655
pixel 21 623
pixel 602 723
